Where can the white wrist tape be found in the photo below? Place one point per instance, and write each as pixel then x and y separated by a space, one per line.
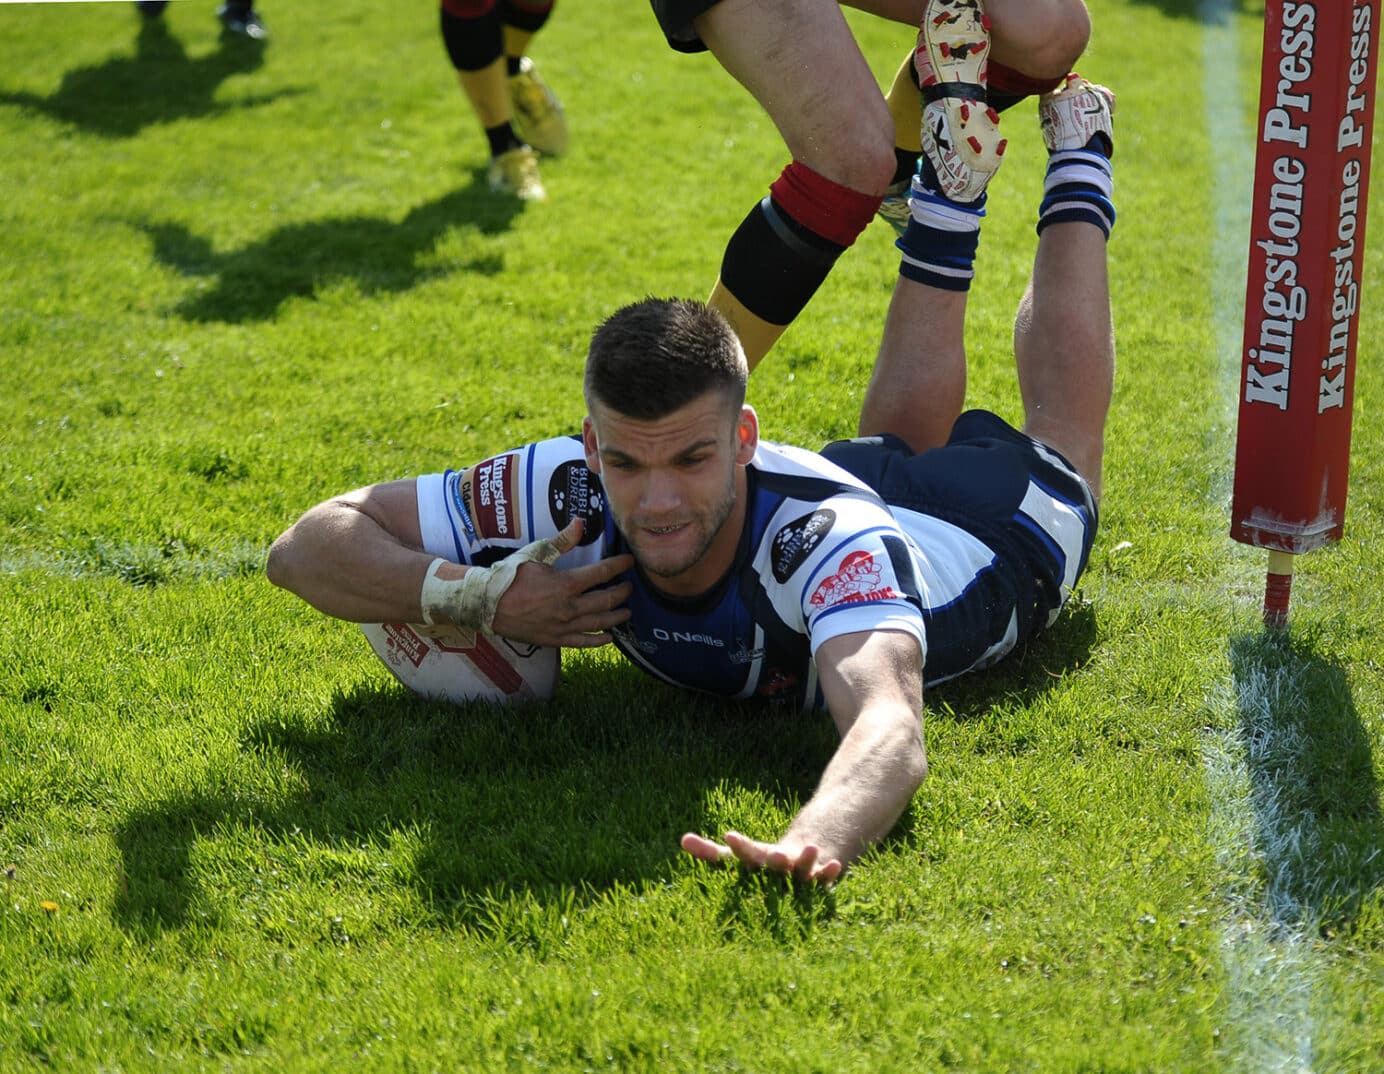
pixel 471 600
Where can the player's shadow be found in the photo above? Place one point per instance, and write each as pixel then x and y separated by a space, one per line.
pixel 376 254
pixel 160 83
pixel 1312 786
pixel 546 806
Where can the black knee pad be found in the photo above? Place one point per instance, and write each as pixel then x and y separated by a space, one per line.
pixel 773 265
pixel 473 44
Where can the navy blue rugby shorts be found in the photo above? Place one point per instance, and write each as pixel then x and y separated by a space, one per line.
pixel 1016 495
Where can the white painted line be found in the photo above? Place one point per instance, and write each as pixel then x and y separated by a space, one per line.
pixel 1271 966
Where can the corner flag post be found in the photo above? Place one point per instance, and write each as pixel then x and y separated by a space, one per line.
pixel 1302 298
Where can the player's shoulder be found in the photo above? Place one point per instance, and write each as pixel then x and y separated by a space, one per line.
pixel 506 500
pixel 797 473
pixel 812 508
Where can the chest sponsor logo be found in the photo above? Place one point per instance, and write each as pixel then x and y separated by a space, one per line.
pixel 575 492
pixel 687 637
pixel 858 578
pixel 795 542
pixel 489 493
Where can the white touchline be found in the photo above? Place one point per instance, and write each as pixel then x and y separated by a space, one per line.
pixel 1271 967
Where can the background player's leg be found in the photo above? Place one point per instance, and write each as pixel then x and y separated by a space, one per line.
pixel 802 64
pixel 473 34
pixel 538 117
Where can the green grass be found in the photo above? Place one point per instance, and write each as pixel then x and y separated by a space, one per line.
pixel 232 286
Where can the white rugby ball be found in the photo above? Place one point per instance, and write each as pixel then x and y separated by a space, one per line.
pixel 443 664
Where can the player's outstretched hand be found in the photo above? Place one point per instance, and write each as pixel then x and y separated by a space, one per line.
pixel 570 609
pixel 802 863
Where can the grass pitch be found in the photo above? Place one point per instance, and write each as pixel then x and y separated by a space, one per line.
pixel 237 281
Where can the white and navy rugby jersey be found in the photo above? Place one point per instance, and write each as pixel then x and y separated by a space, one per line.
pixel 821 555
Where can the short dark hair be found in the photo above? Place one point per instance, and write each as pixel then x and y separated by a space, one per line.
pixel 655 356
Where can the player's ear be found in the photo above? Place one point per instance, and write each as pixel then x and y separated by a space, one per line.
pixel 588 442
pixel 746 435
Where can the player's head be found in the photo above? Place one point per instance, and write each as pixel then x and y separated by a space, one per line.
pixel 670 435
pixel 655 356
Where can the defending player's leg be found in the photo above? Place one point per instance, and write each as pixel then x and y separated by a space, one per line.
pixel 803 66
pixel 1064 340
pixel 905 102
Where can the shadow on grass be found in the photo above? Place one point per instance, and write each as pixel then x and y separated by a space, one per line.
pixel 1319 830
pixel 159 84
pixel 1025 674
pixel 379 255
pixel 519 814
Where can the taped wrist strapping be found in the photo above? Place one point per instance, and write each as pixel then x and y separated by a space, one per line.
pixel 470 601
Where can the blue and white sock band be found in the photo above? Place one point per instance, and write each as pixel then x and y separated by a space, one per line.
pixel 1078 187
pixel 939 244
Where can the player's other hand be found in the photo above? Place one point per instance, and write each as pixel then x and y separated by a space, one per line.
pixel 801 862
pixel 570 609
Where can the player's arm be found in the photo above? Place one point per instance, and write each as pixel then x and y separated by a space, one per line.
pixel 873 685
pixel 360 557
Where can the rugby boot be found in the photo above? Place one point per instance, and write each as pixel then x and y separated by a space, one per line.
pixel 242 20
pixel 538 117
pixel 516 172
pixel 1076 112
pixel 961 132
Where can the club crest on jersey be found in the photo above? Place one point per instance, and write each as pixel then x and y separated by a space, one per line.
pixel 575 492
pixel 489 493
pixel 795 542
pixel 858 578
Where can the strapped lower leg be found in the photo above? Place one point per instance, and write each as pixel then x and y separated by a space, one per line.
pixel 939 246
pixel 786 246
pixel 1078 187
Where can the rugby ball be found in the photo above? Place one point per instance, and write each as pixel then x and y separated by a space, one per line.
pixel 443 663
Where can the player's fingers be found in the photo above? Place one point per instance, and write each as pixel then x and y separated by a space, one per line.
pixel 586 639
pixel 569 535
pixel 704 849
pixel 604 600
pixel 750 851
pixel 598 574
pixel 806 864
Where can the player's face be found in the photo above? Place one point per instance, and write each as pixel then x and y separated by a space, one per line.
pixel 676 486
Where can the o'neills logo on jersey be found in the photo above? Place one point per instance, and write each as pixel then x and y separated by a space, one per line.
pixel 491 494
pixel 575 492
pixel 403 644
pixel 857 579
pixel 795 542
